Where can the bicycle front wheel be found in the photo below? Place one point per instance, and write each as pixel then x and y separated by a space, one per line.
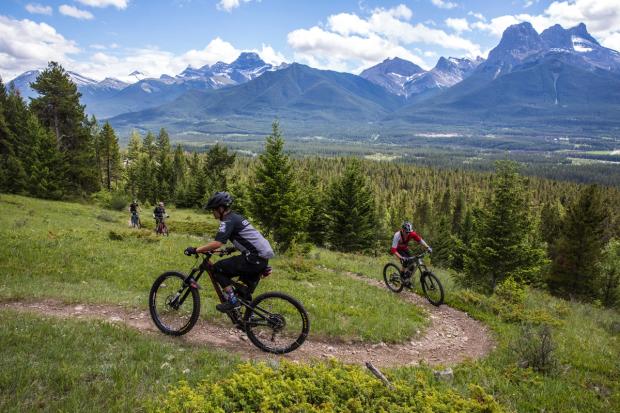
pixel 276 323
pixel 392 278
pixel 433 290
pixel 174 306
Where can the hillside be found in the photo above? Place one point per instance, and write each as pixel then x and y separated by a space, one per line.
pixel 81 257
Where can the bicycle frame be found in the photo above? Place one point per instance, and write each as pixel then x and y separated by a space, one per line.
pixel 194 276
pixel 417 264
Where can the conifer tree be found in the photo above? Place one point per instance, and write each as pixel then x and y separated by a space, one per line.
pixel 134 147
pixel 608 274
pixel 58 108
pixel 13 115
pixel 218 161
pixel 351 210
pixel 583 234
pixel 178 167
pixel 318 221
pixel 503 243
pixel 164 171
pixel 149 146
pixel 277 200
pixel 110 155
pixel 458 214
pixel 46 162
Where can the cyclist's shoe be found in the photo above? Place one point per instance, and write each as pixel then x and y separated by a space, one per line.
pixel 227 306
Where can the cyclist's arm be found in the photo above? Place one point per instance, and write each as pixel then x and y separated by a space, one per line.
pixel 420 241
pixel 394 249
pixel 213 245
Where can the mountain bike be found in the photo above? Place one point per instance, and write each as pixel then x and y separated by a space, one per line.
pixel 160 227
pixel 397 280
pixel 273 321
pixel 135 220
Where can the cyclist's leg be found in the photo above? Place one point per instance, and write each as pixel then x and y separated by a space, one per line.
pixel 404 253
pixel 249 273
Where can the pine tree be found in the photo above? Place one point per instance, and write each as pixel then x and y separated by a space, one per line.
pixel 608 275
pixel 318 221
pixel 134 147
pixel 277 200
pixel 351 208
pixel 178 167
pixel 581 239
pixel 164 171
pixel 13 115
pixel 218 161
pixel 149 146
pixel 95 132
pixel 503 243
pixel 46 166
pixel 110 155
pixel 58 108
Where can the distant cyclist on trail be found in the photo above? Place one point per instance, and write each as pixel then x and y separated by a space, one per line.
pixel 400 243
pixel 134 208
pixel 159 213
pixel 255 249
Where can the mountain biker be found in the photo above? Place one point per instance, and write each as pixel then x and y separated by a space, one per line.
pixel 255 249
pixel 400 243
pixel 133 209
pixel 158 213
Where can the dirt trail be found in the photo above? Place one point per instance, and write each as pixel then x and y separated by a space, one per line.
pixel 451 337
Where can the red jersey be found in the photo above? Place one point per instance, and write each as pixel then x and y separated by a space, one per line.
pixel 402 244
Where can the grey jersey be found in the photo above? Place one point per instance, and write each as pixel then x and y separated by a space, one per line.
pixel 244 236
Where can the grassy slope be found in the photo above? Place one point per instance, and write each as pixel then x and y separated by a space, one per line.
pixel 64 251
pixel 588 349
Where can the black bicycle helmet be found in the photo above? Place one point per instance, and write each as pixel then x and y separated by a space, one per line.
pixel 407 226
pixel 219 199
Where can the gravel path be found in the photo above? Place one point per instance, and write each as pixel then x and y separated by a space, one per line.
pixel 451 337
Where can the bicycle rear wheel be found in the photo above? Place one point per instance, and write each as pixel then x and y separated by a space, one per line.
pixel 174 306
pixel 276 323
pixel 433 290
pixel 392 278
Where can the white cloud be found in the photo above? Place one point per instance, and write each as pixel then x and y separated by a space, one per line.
pixel 444 4
pixel 119 4
pixel 349 41
pixel 75 12
pixel 229 5
pixel 478 16
pixel 26 45
pixel 602 17
pixel 528 3
pixel 154 62
pixel 38 9
pixel 458 25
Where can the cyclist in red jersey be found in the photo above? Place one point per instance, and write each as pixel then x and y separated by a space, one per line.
pixel 400 243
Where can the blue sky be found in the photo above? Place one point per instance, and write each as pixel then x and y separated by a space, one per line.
pixel 100 38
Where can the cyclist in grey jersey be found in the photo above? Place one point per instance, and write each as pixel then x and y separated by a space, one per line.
pixel 256 250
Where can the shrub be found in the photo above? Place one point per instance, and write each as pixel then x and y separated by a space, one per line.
pixel 535 348
pixel 325 387
pixel 118 201
pixel 106 218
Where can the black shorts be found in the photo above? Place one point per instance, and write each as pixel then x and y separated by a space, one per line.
pixel 405 253
pixel 248 269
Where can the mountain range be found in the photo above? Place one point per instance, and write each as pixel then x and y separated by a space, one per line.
pixel 561 77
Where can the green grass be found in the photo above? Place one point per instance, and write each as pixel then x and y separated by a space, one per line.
pixel 81 253
pixel 92 366
pixel 63 251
